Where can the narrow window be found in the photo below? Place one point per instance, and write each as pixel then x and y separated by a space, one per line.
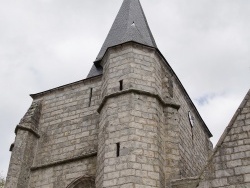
pixel 117 149
pixel 90 96
pixel 121 85
pixel 171 87
pixel 192 134
pixel 191 121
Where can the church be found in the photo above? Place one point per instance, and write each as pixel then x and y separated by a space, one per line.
pixel 129 124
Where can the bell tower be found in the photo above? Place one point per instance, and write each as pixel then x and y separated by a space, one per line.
pixel 129 124
pixel 131 132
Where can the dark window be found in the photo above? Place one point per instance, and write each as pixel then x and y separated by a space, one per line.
pixel 117 149
pixel 90 96
pixel 171 87
pixel 121 85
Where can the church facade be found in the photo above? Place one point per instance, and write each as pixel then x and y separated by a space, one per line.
pixel 129 124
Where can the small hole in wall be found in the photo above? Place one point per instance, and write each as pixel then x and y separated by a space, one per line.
pixel 121 85
pixel 117 149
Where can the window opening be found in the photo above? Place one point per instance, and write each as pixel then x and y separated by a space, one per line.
pixel 191 121
pixel 90 96
pixel 171 87
pixel 117 149
pixel 121 85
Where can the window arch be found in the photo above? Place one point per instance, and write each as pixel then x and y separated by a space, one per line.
pixel 82 182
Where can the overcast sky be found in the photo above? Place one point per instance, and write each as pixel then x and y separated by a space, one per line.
pixel 48 43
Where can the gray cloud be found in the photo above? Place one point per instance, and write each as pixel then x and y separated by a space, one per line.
pixel 48 43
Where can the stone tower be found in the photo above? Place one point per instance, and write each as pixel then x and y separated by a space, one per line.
pixel 130 123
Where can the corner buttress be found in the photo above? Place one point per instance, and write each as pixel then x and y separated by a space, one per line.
pixel 23 148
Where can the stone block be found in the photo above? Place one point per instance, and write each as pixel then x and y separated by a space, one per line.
pixel 242 170
pixel 247 177
pixel 219 182
pixel 235 180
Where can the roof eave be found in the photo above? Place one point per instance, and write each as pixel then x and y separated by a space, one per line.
pixel 36 95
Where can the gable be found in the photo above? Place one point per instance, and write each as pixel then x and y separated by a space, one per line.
pixel 230 162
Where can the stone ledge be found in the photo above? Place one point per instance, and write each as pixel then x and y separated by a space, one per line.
pixel 185 183
pixel 27 129
pixel 86 155
pixel 166 104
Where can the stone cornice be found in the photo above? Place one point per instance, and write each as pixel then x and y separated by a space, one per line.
pixel 165 104
pixel 190 182
pixel 77 158
pixel 20 127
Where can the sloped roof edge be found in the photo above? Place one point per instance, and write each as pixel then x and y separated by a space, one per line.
pixel 35 95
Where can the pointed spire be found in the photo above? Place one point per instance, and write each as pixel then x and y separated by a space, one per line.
pixel 130 25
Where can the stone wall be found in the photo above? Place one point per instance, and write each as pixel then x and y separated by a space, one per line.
pixel 172 140
pixel 230 163
pixel 187 146
pixel 23 149
pixel 182 149
pixel 135 65
pixel 194 144
pixel 66 143
pixel 139 162
pixel 132 117
pixel 68 125
pixel 68 129
pixel 62 175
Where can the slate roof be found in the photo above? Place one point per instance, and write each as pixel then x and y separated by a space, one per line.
pixel 94 71
pixel 130 25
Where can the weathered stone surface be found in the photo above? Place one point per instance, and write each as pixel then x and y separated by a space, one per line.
pixel 152 137
pixel 156 142
pixel 229 164
pixel 134 126
pixel 24 148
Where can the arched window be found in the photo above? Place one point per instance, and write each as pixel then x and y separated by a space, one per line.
pixel 83 182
